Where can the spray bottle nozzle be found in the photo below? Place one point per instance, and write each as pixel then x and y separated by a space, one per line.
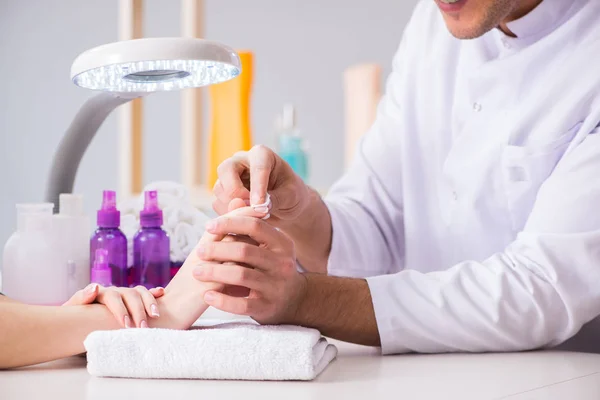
pixel 151 200
pixel 151 215
pixel 108 215
pixel 109 200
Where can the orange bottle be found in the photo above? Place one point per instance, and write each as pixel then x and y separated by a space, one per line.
pixel 230 117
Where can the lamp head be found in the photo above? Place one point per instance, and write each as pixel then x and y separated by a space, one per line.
pixel 155 64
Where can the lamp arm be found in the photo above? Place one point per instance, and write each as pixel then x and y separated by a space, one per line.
pixel 76 140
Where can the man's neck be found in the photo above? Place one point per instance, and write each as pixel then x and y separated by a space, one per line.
pixel 523 8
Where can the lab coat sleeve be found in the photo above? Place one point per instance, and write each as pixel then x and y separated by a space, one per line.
pixel 538 292
pixel 365 205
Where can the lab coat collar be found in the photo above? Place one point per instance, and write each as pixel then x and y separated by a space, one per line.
pixel 546 16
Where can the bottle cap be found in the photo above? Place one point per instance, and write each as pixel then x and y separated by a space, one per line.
pixel 70 205
pixel 151 216
pixel 37 222
pixel 288 118
pixel 108 216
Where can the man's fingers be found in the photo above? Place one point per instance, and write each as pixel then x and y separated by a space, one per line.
pixel 148 301
pixel 237 252
pixel 262 161
pixel 240 239
pixel 234 305
pixel 257 229
pixel 210 236
pixel 113 301
pixel 220 207
pixel 230 185
pixel 236 291
pixel 85 296
pixel 230 274
pixel 237 203
pixel 218 188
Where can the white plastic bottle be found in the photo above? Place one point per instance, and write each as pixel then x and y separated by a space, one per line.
pixel 31 271
pixel 72 229
pixel 10 248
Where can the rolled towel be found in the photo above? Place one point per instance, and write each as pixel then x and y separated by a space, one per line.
pixel 169 191
pixel 232 350
pixel 185 238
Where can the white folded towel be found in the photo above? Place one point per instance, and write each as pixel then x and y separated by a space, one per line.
pixel 230 350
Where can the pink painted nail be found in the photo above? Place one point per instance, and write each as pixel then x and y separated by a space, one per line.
pixel 91 288
pixel 143 324
pixel 209 297
pixel 154 310
pixel 261 209
pixel 211 226
pixel 127 321
pixel 199 272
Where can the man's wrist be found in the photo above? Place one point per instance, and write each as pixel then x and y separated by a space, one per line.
pixel 305 311
pixel 340 308
pixel 300 312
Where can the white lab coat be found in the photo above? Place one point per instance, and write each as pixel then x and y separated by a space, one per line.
pixel 473 204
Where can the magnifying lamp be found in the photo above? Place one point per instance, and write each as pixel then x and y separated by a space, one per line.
pixel 123 71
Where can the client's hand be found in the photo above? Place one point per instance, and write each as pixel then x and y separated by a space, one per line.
pixel 124 303
pixel 183 302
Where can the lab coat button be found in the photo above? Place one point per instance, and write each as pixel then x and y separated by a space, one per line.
pixel 454 195
pixel 476 107
pixel 506 43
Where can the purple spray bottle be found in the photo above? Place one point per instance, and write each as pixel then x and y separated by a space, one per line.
pixel 151 247
pixel 109 237
pixel 101 273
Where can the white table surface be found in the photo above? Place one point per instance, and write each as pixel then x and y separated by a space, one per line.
pixel 359 372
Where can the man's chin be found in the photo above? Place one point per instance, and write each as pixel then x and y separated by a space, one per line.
pixel 464 31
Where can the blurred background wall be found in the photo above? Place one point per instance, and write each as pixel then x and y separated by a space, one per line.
pixel 301 49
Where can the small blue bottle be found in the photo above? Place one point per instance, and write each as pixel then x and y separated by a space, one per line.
pixel 292 147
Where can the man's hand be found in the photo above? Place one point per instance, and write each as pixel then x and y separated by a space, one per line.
pixel 268 270
pixel 250 175
pixel 295 208
pixel 130 306
pixel 183 302
pixel 340 308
